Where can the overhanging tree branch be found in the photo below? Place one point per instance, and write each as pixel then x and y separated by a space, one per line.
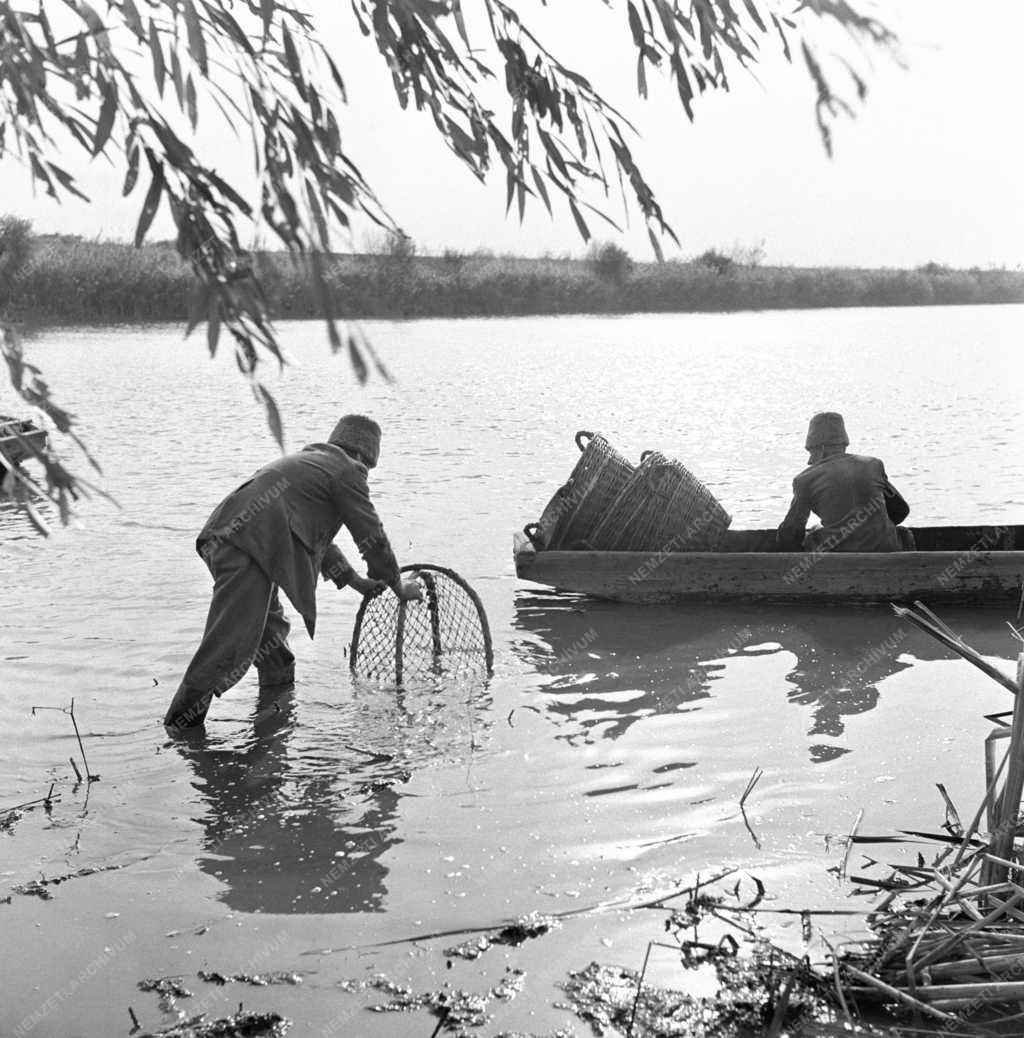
pixel 262 66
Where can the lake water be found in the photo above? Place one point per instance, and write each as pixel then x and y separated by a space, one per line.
pixel 607 754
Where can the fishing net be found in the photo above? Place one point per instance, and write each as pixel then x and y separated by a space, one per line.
pixel 444 634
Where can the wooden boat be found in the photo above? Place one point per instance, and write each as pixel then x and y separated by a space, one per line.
pixel 967 565
pixel 17 438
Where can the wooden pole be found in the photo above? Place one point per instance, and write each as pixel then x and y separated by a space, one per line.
pixel 1009 800
pixel 400 640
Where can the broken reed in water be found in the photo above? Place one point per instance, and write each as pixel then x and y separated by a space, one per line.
pixel 948 938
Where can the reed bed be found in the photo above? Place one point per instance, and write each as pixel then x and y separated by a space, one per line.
pixel 946 939
pixel 72 281
pixel 948 943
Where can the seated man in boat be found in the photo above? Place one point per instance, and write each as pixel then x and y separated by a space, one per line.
pixel 858 507
pixel 276 531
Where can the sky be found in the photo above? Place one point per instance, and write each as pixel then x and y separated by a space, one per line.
pixel 930 169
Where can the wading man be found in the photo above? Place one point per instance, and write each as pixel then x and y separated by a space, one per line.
pixel 858 507
pixel 277 531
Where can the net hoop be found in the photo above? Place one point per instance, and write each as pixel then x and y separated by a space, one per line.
pixel 427 574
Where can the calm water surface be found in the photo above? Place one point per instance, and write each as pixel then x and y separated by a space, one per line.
pixel 607 754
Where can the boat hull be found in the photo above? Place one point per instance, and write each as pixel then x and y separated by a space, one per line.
pixel 974 576
pixel 19 440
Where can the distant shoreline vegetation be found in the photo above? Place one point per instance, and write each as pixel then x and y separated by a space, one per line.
pixel 49 279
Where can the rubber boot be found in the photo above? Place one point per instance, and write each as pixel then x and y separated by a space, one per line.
pixel 276 667
pixel 277 678
pixel 274 660
pixel 188 708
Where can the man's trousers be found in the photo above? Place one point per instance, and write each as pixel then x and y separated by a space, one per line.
pixel 245 625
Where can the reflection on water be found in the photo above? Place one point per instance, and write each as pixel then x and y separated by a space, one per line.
pixel 611 666
pixel 300 822
pixel 614 741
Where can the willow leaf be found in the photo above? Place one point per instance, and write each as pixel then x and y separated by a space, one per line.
pixel 151 204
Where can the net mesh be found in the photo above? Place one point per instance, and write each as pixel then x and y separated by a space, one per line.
pixel 444 634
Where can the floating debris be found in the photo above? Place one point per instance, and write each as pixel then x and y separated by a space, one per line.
pixel 753 990
pixel 241 1025
pixel 10 819
pixel 198 932
pixel 34 888
pixel 625 905
pixel 560 1033
pixel 37 887
pixel 468 950
pixel 456 1010
pixel 10 816
pixel 382 785
pixel 257 979
pixel 375 756
pixel 524 929
pixel 509 986
pixel 168 988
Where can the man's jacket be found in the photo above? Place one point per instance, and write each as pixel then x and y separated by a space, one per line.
pixel 286 518
pixel 854 500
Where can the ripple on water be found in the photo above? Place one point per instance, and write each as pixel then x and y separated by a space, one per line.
pixel 613 743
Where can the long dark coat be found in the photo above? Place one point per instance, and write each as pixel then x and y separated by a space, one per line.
pixel 858 506
pixel 287 515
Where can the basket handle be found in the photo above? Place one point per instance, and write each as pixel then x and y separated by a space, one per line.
pixel 581 433
pixel 645 456
pixel 532 530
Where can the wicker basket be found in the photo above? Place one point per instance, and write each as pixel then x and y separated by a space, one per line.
pixel 664 507
pixel 577 507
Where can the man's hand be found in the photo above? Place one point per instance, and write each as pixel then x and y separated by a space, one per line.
pixel 409 591
pixel 367 587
